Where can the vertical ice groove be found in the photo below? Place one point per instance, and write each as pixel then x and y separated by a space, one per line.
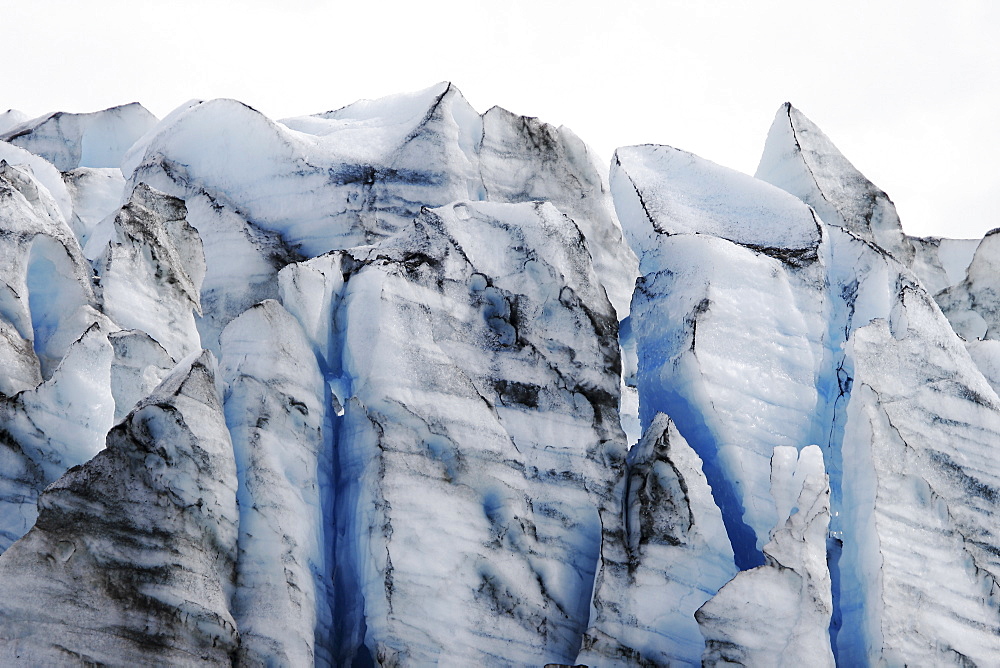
pixel 482 355
pixel 728 319
pixel 274 406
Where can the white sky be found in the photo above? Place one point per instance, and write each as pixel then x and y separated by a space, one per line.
pixel 908 90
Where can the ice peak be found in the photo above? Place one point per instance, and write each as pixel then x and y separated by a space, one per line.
pixel 800 159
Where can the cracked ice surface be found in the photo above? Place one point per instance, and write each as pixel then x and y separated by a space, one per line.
pixel 133 552
pixel 779 613
pixel 483 371
pixel 666 542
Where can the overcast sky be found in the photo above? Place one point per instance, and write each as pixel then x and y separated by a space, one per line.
pixel 908 90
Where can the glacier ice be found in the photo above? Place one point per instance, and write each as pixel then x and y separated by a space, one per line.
pixel 665 542
pixel 274 405
pixel 779 613
pixel 481 360
pixel 728 318
pixel 151 271
pixel 133 552
pixel 799 158
pixel 436 343
pixel 68 141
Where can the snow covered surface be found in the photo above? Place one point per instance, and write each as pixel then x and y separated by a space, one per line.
pixel 414 448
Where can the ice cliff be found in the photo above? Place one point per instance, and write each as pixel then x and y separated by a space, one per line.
pixel 359 389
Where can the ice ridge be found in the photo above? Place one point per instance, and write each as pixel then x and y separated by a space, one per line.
pixel 359 388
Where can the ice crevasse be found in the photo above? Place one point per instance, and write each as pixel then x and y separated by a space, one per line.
pixel 407 384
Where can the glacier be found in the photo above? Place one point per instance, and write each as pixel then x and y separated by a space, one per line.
pixel 406 384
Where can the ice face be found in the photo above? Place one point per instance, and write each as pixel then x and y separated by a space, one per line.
pixel 922 500
pixel 413 452
pixel 973 305
pixel 729 321
pixel 275 409
pixel 309 185
pixel 799 158
pixel 139 542
pixel 95 194
pixel 476 357
pixel 665 542
pixel 152 271
pixel 69 141
pixel 779 613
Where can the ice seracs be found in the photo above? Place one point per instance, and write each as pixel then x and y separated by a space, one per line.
pixel 779 613
pixel 132 557
pixel 478 353
pixel 274 405
pixel 68 141
pixel 412 450
pixel 274 193
pixel 729 319
pixel 799 158
pixel 152 269
pixel 665 552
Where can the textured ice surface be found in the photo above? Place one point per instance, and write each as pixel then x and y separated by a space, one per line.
pixel 46 280
pixel 479 443
pixel 973 305
pixel 152 270
pixel 920 495
pixel 95 194
pixel 414 451
pixel 131 560
pixel 275 409
pixel 729 320
pixel 264 194
pixel 941 263
pixel 799 158
pixel 665 552
pixel 10 119
pixel 68 141
pixel 778 614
